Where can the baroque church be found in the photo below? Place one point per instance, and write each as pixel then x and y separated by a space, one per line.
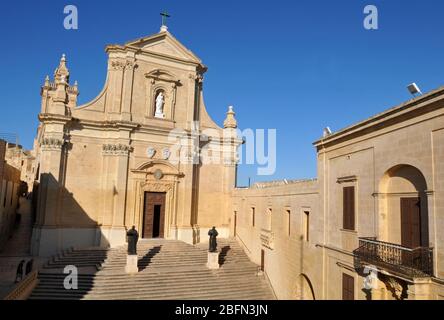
pixel 369 226
pixel 108 164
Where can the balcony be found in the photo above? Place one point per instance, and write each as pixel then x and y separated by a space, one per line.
pixel 394 258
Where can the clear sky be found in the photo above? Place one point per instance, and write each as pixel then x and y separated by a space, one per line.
pixel 297 66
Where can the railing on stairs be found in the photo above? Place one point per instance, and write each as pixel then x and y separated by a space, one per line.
pixel 24 288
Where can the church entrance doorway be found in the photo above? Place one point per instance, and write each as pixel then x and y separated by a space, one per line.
pixel 154 215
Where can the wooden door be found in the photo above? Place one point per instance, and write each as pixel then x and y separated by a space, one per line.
pixel 410 222
pixel 154 215
pixel 262 260
pixel 348 287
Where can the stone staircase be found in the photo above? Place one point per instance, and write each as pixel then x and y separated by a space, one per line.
pixel 168 270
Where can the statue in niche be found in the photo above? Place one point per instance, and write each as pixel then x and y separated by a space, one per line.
pixel 160 103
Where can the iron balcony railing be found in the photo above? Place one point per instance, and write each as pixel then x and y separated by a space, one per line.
pixel 417 262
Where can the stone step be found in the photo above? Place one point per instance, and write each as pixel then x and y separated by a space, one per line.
pixel 205 296
pixel 157 286
pixel 168 270
pixel 159 294
pixel 148 277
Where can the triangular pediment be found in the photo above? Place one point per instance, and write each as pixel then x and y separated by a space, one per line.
pixel 165 44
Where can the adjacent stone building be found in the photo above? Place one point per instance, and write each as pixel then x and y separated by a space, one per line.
pixel 374 215
pixel 9 194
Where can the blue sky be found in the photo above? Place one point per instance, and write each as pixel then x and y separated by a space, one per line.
pixel 296 66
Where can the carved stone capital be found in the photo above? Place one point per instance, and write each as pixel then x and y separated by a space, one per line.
pixel 52 144
pixel 130 65
pixel 117 65
pixel 197 77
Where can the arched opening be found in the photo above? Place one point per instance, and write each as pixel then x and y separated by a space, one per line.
pixel 304 289
pixel 403 207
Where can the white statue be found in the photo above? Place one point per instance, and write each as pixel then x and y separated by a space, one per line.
pixel 160 101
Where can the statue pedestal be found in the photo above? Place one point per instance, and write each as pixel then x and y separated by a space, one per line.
pixel 213 260
pixel 131 264
pixel 159 116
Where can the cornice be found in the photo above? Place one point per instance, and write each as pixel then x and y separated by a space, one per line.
pixel 54 118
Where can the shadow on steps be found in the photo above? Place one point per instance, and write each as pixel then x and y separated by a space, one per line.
pixel 223 254
pixel 146 259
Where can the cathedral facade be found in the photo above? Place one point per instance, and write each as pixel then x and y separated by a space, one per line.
pixel 131 156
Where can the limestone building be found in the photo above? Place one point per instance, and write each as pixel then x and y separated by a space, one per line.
pixel 370 226
pixel 129 156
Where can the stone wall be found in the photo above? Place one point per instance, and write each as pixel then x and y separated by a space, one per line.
pixel 9 189
pixel 275 217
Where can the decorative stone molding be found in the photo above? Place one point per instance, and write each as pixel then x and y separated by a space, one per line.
pixel 166 153
pixel 397 287
pixel 156 186
pixel 151 152
pixel 130 65
pixel 163 76
pixel 52 143
pixel 196 77
pixel 158 174
pixel 116 149
pixel 347 179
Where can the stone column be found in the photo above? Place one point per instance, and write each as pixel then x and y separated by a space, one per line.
pixel 117 184
pixel 127 93
pixel 51 158
pixel 46 238
pixel 113 104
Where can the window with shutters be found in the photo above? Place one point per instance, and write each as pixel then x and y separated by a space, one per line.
pixel 349 208
pixel 348 287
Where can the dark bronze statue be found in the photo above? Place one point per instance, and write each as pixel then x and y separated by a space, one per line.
pixel 213 243
pixel 132 237
pixel 29 266
pixel 19 273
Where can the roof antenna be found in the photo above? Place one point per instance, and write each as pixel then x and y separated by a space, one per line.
pixel 327 132
pixel 414 89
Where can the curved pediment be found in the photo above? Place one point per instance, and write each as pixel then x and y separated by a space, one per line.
pixel 151 166
pixel 164 75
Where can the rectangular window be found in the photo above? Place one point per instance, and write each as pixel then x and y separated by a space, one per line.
pixel 288 218
pixel 348 287
pixel 253 216
pixel 349 208
pixel 268 217
pixel 307 226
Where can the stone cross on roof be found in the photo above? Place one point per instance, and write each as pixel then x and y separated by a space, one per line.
pixel 164 15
